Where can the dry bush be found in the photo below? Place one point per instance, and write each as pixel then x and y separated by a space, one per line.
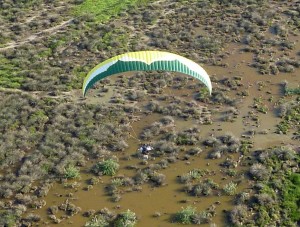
pixel 239 215
pixel 259 172
pixel 164 147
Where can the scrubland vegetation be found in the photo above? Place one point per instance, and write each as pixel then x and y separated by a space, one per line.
pixel 272 199
pixel 106 218
pixel 50 135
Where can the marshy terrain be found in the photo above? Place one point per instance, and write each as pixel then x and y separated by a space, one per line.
pixel 226 159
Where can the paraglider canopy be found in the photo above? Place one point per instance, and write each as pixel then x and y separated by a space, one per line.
pixel 145 61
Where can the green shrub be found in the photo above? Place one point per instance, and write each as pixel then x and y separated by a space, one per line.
pixel 197 173
pixel 117 182
pixel 126 219
pixel 71 172
pixel 230 188
pixel 292 91
pixel 108 167
pixel 7 218
pixel 98 221
pixel 291 196
pixel 182 140
pixel 231 172
pixel 185 216
pixel 203 95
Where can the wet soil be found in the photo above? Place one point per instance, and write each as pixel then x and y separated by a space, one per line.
pixel 168 199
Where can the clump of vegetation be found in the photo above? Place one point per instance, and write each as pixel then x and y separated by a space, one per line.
pixel 290 114
pixel 153 130
pixel 108 218
pixel 291 196
pixel 167 120
pixel 185 216
pixel 118 186
pixel 202 95
pixel 104 10
pixel 189 215
pixel 192 175
pixel 259 171
pixel 260 106
pixel 10 77
pixel 186 137
pixel 8 218
pixel 221 145
pixel 274 196
pixel 126 219
pixel 56 133
pixel 107 167
pixel 203 188
pixel 150 174
pixel 185 110
pixel 240 215
pixel 230 114
pixel 71 172
pixel 158 179
pixel 163 147
pixel 230 188
pixel 98 220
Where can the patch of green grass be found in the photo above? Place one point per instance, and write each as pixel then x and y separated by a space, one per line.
pixel 102 11
pixel 291 196
pixel 9 74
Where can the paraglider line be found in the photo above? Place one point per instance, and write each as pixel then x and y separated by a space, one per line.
pixel 135 135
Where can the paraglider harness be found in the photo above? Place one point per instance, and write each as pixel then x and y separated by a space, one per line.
pixel 145 149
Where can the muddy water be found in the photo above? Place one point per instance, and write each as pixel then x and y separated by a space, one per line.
pixel 166 200
pixel 169 198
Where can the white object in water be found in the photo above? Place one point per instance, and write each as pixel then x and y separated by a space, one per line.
pixel 145 157
pixel 149 148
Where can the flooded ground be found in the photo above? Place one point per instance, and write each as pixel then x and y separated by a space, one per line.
pixel 50 133
pixel 165 200
pixel 155 206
